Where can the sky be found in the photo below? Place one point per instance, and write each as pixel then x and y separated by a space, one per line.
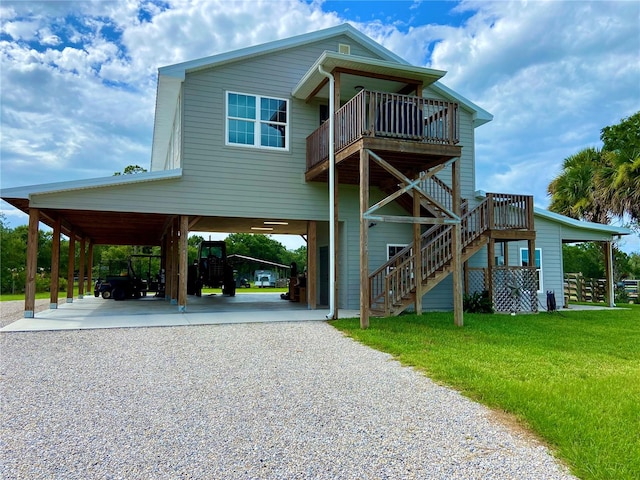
pixel 78 78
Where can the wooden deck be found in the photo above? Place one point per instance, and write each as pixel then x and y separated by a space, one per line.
pixel 412 133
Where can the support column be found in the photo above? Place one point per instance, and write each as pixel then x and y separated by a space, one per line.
pixel 32 264
pixel 183 261
pixel 71 267
pixel 532 262
pixel 81 268
pixel 458 303
pixel 417 254
pixel 90 268
pixel 336 243
pixel 174 262
pixel 55 265
pixel 608 265
pixel 168 262
pixel 365 294
pixel 491 255
pixel 312 265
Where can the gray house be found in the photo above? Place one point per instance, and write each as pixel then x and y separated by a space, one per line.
pixel 374 163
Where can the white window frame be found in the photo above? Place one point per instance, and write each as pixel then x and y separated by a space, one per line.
pixel 257 134
pixel 399 246
pixel 538 269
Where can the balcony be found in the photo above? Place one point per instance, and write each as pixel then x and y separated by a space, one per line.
pixel 414 132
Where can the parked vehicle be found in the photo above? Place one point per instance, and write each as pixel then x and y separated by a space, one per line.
pixel 211 269
pixel 122 280
pixel 265 278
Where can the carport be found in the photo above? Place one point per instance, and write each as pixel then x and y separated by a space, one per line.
pixel 96 313
pixel 88 214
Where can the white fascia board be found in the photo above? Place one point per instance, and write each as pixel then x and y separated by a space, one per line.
pixel 480 115
pixel 331 60
pixel 572 222
pixel 166 103
pixel 27 191
pixel 178 70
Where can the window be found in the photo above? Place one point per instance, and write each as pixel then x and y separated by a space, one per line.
pixel 524 261
pixel 393 250
pixel 257 121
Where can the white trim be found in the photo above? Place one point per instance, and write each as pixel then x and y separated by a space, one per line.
pixel 28 190
pixel 395 245
pixel 257 123
pixel 538 269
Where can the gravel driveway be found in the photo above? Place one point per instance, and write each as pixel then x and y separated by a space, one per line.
pixel 248 401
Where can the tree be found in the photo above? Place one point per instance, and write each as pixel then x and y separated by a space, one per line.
pixel 620 176
pixel 596 185
pixel 573 192
pixel 131 170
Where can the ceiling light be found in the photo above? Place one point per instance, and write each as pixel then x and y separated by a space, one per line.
pixel 276 223
pixel 262 228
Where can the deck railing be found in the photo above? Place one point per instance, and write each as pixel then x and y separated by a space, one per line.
pixel 387 115
pixel 510 212
pixel 396 279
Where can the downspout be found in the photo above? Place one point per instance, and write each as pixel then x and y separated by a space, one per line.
pixel 332 169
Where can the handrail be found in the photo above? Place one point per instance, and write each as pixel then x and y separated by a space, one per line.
pixel 395 279
pixel 388 115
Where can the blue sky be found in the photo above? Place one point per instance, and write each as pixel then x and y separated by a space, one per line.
pixel 78 77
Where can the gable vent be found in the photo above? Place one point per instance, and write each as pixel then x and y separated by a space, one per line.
pixel 344 49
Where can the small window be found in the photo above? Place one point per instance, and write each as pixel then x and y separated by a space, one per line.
pixel 344 49
pixel 393 250
pixel 257 121
pixel 524 261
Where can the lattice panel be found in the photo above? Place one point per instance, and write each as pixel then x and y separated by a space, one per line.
pixel 476 280
pixel 515 289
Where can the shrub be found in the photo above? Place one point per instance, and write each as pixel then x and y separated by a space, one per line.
pixel 478 302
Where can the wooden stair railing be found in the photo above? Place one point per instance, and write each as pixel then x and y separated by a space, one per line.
pixel 392 286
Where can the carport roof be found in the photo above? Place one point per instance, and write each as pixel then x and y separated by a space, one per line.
pixel 102 227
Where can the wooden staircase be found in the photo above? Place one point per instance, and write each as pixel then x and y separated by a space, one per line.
pixel 393 285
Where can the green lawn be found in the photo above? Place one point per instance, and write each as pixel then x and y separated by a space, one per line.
pixel 571 377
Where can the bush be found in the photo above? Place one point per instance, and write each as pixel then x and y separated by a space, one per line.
pixel 478 302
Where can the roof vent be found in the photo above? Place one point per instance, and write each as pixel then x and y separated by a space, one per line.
pixel 344 49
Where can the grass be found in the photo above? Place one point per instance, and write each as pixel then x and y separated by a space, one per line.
pixel 573 378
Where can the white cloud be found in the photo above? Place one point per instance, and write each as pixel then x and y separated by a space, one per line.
pixel 78 78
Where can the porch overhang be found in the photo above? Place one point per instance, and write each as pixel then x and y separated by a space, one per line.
pixel 313 83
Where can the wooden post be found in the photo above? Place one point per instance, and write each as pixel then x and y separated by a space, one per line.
pixel 174 263
pixel 71 267
pixel 32 264
pixel 312 265
pixel 608 265
pixel 417 254
pixel 55 265
pixel 491 254
pixel 183 261
pixel 81 268
pixel 336 103
pixel 365 294
pixel 90 267
pixel 336 239
pixel 456 265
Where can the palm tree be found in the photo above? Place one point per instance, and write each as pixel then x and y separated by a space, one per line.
pixel 619 179
pixel 574 193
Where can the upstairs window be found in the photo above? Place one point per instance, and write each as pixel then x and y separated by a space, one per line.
pixel 257 121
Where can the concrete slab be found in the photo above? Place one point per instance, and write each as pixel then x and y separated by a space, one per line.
pixel 92 312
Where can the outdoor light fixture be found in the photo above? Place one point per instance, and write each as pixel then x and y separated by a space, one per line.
pixel 276 223
pixel 262 228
